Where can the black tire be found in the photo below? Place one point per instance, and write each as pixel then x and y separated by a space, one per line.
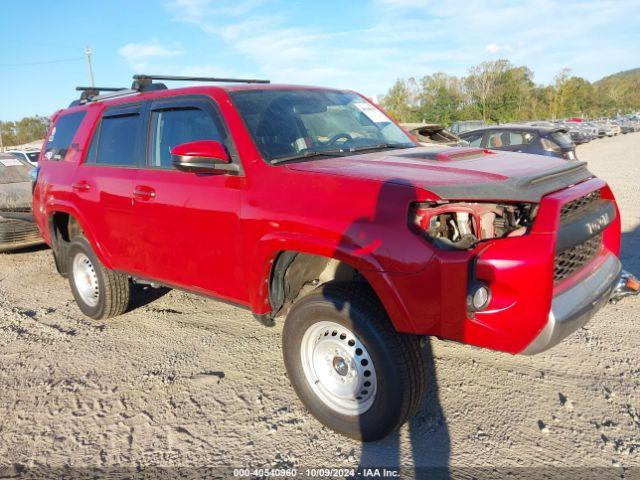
pixel 113 287
pixel 398 360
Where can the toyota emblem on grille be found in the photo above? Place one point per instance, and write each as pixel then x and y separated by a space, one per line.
pixel 598 224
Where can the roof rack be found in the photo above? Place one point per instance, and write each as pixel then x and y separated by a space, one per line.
pixel 142 81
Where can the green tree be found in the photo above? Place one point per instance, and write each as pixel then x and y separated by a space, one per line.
pixel 398 102
pixel 23 131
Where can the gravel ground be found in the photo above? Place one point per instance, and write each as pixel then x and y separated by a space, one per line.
pixel 185 381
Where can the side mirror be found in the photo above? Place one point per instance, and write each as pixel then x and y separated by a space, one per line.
pixel 202 156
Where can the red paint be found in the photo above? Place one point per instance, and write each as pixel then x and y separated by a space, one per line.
pixel 203 149
pixel 218 234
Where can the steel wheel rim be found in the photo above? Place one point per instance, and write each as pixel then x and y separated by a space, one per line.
pixel 86 279
pixel 338 368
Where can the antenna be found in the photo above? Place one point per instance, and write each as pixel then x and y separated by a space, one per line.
pixel 87 52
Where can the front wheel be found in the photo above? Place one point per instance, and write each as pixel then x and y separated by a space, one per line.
pixel 350 368
pixel 99 292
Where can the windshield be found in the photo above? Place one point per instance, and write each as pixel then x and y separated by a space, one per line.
pixel 301 123
pixel 33 156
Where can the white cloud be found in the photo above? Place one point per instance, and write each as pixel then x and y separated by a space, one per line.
pixel 403 38
pixel 138 55
pixel 494 48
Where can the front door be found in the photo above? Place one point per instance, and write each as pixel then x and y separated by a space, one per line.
pixel 187 224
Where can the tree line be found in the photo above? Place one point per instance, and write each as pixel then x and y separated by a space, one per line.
pixel 23 131
pixel 500 92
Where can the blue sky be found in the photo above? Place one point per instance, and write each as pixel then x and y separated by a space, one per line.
pixel 364 45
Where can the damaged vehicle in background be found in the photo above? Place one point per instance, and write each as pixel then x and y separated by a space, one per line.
pixel 17 227
pixel 433 133
pixel 524 138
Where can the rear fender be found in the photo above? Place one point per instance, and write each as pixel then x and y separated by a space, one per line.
pixel 68 208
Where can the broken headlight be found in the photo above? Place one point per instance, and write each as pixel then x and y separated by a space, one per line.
pixel 461 225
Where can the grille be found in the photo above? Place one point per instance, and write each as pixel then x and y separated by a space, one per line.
pixel 14 232
pixel 574 258
pixel 578 205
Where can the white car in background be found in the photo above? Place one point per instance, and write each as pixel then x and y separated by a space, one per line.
pixel 30 156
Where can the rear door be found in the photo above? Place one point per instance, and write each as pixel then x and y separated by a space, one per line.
pixel 187 226
pixel 103 183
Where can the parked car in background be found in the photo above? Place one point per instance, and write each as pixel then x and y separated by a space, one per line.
pixel 549 141
pixel 615 128
pixel 466 126
pixel 17 228
pixel 576 132
pixel 30 156
pixel 433 133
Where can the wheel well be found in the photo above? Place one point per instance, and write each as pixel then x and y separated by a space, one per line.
pixel 295 274
pixel 63 228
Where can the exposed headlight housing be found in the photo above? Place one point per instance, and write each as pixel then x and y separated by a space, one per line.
pixel 461 225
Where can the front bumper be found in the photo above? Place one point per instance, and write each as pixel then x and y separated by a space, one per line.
pixel 574 307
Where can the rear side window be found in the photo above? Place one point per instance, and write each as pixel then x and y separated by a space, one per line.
pixel 115 141
pixel 176 126
pixel 62 135
pixel 509 139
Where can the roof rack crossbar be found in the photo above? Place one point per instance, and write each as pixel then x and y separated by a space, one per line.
pixel 148 78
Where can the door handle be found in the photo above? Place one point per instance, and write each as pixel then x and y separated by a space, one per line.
pixel 142 192
pixel 81 186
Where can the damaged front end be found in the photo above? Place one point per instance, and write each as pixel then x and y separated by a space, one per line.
pixel 627 286
pixel 462 225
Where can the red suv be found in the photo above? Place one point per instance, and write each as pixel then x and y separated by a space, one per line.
pixel 313 203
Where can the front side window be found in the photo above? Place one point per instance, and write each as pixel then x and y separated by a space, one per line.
pixel 300 122
pixel 116 140
pixel 175 126
pixel 61 136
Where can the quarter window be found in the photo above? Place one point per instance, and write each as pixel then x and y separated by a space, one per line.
pixel 62 135
pixel 176 126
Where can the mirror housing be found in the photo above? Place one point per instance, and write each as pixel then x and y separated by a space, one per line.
pixel 202 156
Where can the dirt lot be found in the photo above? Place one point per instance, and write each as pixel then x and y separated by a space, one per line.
pixel 185 381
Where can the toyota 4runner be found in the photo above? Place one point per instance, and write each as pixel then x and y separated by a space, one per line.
pixel 312 203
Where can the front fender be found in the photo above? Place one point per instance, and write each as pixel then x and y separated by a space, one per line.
pixel 269 246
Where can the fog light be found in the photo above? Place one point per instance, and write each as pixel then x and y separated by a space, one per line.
pixel 478 297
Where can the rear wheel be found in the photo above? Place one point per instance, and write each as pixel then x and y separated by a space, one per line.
pixel 350 368
pixel 99 292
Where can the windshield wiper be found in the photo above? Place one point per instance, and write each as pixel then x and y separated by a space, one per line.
pixel 379 146
pixel 342 152
pixel 309 154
